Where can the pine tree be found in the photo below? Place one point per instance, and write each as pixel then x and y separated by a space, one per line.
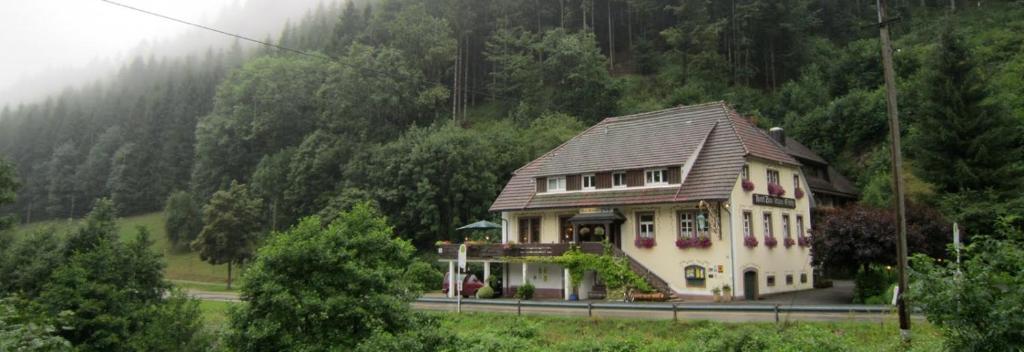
pixel 961 141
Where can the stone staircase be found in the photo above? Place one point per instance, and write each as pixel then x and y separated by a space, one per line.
pixel 652 279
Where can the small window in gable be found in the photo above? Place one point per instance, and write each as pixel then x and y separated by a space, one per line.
pixel 589 181
pixel 695 276
pixel 619 179
pixel 556 184
pixel 796 181
pixel 746 172
pixel 657 177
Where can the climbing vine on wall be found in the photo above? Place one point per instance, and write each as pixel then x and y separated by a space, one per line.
pixel 614 271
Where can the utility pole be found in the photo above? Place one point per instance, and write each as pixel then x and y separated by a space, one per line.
pixel 897 168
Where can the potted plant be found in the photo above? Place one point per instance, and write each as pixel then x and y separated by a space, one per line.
pixel 717 292
pixel 776 189
pixel 798 193
pixel 644 242
pixel 770 241
pixel 748 185
pixel 750 241
pixel 804 241
pixel 726 293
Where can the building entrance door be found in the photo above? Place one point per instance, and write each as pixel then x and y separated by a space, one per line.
pixel 750 285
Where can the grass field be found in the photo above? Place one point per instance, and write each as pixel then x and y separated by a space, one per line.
pixel 579 334
pixel 215 314
pixel 183 268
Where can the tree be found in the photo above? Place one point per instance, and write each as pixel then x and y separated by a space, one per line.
pixel 960 140
pixel 857 236
pixel 22 331
pixel 267 105
pixel 431 180
pixel 184 219
pixel 314 288
pixel 100 227
pixel 977 304
pixel 232 225
pixel 270 181
pixel 8 186
pixel 107 288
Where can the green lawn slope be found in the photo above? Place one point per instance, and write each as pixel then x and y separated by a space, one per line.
pixel 183 267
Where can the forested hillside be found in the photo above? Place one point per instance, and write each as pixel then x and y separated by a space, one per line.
pixel 426 106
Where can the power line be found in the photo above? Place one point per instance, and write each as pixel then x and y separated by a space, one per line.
pixel 193 24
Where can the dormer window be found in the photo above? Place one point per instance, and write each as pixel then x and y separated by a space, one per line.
pixel 589 182
pixel 618 180
pixel 556 184
pixel 656 177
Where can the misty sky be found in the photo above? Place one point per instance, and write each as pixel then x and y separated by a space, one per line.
pixel 39 35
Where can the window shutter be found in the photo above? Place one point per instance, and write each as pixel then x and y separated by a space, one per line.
pixel 604 180
pixel 573 183
pixel 542 184
pixel 674 175
pixel 635 178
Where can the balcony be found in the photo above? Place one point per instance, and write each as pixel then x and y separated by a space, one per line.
pixel 497 251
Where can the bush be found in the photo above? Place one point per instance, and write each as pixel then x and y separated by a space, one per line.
pixel 485 292
pixel 525 291
pixel 871 282
pixel 981 308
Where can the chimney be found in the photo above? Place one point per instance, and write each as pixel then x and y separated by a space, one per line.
pixel 778 134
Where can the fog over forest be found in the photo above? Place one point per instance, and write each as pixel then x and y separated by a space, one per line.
pixel 69 43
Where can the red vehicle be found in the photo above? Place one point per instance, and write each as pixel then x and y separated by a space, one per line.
pixel 469 285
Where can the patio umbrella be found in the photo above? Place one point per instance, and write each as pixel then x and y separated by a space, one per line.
pixel 479 226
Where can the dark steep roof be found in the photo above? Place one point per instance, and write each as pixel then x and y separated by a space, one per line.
pixel 800 151
pixel 714 133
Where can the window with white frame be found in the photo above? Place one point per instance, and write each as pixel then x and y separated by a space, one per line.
pixel 785 225
pixel 657 177
pixel 746 172
pixel 799 226
pixel 768 225
pixel 687 225
pixel 556 184
pixel 619 179
pixel 645 225
pixel 773 176
pixel 589 181
pixel 748 224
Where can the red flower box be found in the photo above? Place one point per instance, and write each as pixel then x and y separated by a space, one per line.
pixel 788 242
pixel 750 241
pixel 771 242
pixel 804 241
pixel 644 242
pixel 776 189
pixel 799 193
pixel 702 242
pixel 748 185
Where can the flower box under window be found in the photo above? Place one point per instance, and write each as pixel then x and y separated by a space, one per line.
pixel 645 242
pixel 788 242
pixel 748 185
pixel 776 189
pixel 750 241
pixel 803 241
pixel 700 242
pixel 770 242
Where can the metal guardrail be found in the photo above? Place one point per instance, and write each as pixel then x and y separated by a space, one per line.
pixel 675 308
